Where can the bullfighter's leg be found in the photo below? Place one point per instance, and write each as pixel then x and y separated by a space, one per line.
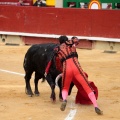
pixel 27 81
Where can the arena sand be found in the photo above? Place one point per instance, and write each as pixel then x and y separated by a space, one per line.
pixel 103 69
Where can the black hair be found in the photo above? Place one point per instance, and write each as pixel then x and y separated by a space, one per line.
pixel 74 37
pixel 62 39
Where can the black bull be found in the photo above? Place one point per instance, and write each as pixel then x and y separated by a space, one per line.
pixel 36 60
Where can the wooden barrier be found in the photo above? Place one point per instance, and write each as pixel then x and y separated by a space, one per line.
pixel 36 24
pixel 78 22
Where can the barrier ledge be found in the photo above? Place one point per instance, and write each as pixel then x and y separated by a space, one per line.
pixel 57 36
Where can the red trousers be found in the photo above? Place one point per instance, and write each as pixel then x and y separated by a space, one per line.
pixel 72 72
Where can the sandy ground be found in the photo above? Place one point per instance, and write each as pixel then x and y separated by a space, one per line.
pixel 103 69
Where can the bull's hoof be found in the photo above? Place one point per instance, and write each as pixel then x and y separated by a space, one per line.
pixel 30 94
pixel 60 99
pixel 37 94
pixel 53 100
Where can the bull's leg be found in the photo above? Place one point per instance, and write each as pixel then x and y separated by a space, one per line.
pixel 52 86
pixel 36 83
pixel 27 81
pixel 53 95
pixel 70 89
pixel 60 88
pixel 60 95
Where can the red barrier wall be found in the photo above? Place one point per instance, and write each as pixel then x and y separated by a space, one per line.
pixel 79 22
pixel 36 40
pixel 8 0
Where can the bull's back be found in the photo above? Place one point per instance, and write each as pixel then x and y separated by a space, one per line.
pixel 37 56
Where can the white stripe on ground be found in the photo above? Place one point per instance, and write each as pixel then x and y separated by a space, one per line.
pixel 12 86
pixel 12 72
pixel 72 112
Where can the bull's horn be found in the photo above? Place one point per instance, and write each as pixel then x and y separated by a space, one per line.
pixel 57 78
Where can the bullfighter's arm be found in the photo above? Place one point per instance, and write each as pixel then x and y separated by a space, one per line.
pixel 49 63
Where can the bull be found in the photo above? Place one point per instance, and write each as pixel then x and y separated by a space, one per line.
pixel 36 60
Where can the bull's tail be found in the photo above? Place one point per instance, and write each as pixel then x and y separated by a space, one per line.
pixel 57 79
pixel 25 60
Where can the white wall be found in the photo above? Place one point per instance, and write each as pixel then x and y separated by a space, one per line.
pixel 11 39
pixel 59 3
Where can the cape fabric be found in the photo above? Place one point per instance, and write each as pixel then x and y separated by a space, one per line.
pixel 82 97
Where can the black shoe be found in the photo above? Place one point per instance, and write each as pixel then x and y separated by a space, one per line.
pixel 98 111
pixel 63 105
